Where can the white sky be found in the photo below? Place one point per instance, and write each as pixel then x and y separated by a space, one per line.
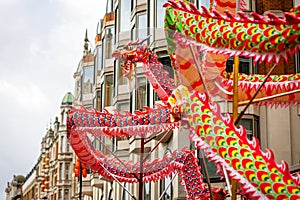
pixel 41 43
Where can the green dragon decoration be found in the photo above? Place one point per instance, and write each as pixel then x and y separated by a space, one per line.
pixel 265 38
pixel 212 32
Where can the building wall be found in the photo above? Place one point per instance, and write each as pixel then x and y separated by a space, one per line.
pixel 29 186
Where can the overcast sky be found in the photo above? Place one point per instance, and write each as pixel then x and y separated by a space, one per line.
pixel 41 45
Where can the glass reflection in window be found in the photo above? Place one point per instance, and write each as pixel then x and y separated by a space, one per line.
pixel 160 13
pixel 142 26
pixel 87 80
pixel 125 12
pixel 108 42
pixel 205 3
pixel 99 58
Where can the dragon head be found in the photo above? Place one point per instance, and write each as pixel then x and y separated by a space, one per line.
pixel 133 52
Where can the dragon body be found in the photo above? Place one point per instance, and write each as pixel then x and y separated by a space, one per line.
pixel 218 36
pixel 260 176
pixel 83 124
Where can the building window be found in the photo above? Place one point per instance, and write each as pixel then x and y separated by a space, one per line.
pixel 62 144
pixel 141 93
pixel 142 26
pixel 147 191
pixel 109 36
pixel 244 65
pixel 123 106
pixel 211 168
pixel 251 124
pixel 166 62
pixel 87 80
pixel 60 194
pixel 125 12
pixel 68 146
pixel 125 195
pixel 97 143
pixel 66 196
pixel 205 3
pixel 98 100
pixel 99 58
pixel 60 171
pixel 160 13
pixel 67 170
pixel 168 195
pixel 108 44
pixel 107 90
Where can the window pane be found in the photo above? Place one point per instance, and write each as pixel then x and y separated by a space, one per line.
pixel 125 11
pixel 108 43
pixel 99 58
pixel 109 90
pixel 59 194
pixel 123 106
pixel 141 94
pixel 147 191
pixel 244 65
pixel 67 171
pixel 142 26
pixel 211 168
pixel 66 197
pixel 62 144
pixel 60 171
pixel 160 13
pixel 205 3
pixel 98 100
pixel 68 146
pixel 248 124
pixel 87 80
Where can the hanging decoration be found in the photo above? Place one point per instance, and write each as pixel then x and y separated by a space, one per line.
pixel 200 77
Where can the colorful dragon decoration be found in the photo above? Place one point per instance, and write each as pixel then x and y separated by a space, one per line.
pixel 268 38
pixel 265 38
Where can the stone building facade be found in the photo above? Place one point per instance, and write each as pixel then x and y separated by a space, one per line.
pixel 14 188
